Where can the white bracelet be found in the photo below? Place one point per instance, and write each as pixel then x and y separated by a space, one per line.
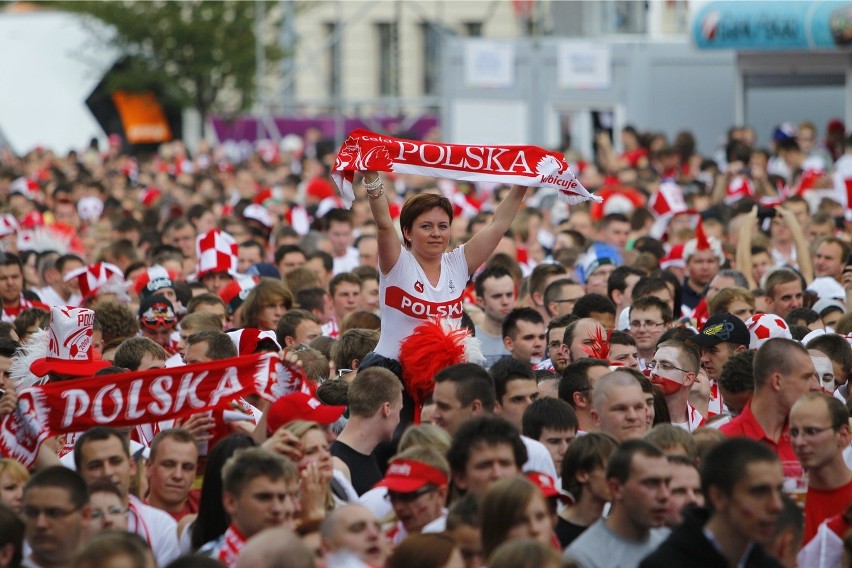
pixel 373 185
pixel 373 195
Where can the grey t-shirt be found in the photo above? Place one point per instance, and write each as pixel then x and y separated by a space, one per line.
pixel 492 347
pixel 599 547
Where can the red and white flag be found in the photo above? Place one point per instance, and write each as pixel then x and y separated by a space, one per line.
pixel 141 397
pixel 529 166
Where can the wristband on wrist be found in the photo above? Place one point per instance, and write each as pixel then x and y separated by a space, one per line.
pixel 372 194
pixel 373 185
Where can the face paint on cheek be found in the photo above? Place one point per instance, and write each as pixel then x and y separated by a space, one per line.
pixel 747 512
pixel 667 386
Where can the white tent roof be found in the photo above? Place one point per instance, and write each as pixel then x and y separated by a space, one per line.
pixel 50 65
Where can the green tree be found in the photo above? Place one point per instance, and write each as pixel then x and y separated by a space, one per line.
pixel 195 50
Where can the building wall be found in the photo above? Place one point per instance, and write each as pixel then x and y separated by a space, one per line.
pixel 360 47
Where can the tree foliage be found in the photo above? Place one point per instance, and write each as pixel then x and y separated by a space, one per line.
pixel 195 50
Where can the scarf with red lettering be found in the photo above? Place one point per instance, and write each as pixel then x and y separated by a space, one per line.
pixel 141 397
pixel 529 166
pixel 232 542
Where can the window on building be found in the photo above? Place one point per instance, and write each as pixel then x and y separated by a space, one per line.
pixel 472 29
pixel 388 49
pixel 431 42
pixel 334 63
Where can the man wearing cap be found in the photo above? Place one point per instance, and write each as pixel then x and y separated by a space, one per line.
pixel 72 355
pixel 158 322
pixel 216 253
pixel 703 258
pixel 721 337
pixel 673 370
pixel 416 480
pixel 596 272
pixel 156 280
pixel 830 311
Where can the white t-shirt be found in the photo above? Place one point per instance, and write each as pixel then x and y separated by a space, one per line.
pixel 538 458
pixel 157 527
pixel 346 263
pixel 51 297
pixel 408 299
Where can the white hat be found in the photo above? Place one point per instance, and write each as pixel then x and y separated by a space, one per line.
pixel 8 225
pixel 763 327
pixel 92 277
pixel 69 350
pixel 216 251
pixel 827 288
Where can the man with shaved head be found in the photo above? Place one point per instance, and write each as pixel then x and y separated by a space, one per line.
pixel 618 406
pixel 354 529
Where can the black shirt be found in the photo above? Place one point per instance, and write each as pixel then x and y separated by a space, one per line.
pixel 364 469
pixel 567 532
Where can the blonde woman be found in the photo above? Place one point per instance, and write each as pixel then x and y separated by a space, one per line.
pixel 316 469
pixel 13 476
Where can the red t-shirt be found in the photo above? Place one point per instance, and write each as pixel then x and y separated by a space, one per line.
pixel 822 504
pixel 746 425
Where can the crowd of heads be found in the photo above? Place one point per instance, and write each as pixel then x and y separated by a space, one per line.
pixel 677 356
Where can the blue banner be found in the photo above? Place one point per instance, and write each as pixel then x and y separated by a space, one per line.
pixel 764 25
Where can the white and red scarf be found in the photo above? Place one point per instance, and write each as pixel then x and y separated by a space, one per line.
pixel 529 166
pixel 232 542
pixel 141 397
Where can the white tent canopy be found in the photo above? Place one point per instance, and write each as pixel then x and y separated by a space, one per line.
pixel 50 65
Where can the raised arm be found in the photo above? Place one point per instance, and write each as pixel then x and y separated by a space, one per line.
pixel 483 243
pixel 803 253
pixel 743 258
pixel 386 235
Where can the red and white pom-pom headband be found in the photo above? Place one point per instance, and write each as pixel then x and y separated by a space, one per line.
pixel 530 166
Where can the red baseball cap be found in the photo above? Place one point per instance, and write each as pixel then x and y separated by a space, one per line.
pixel 300 406
pixel 407 476
pixel 547 486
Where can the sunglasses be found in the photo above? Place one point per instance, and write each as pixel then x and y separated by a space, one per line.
pixel 158 316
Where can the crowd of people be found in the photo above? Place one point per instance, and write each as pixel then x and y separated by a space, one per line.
pixel 467 374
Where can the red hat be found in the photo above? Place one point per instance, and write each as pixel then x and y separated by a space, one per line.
pixel 246 339
pixel 739 187
pixel 319 189
pixel 301 406
pixel 150 196
pixel 616 200
pixel 547 486
pixel 93 276
pixel 26 187
pixel 235 292
pixel 703 242
pixel 69 348
pixel 216 251
pixel 673 258
pixel 406 476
